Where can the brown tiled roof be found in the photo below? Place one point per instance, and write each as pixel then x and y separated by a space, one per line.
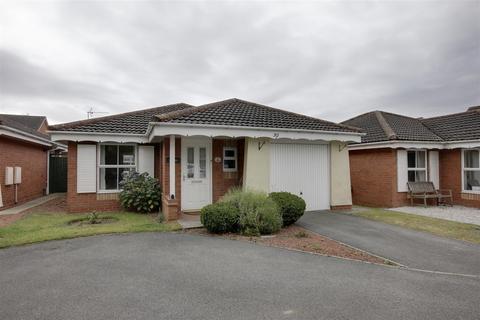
pixel 27 124
pixel 385 126
pixel 240 113
pixel 232 112
pixel 135 122
pixel 458 126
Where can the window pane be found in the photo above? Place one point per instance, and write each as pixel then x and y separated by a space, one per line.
pixel 108 154
pixel 472 180
pixel 108 178
pixel 421 159
pixel 411 176
pixel 229 164
pixel 471 159
pixel 411 159
pixel 127 155
pixel 420 176
pixel 190 163
pixel 203 162
pixel 229 153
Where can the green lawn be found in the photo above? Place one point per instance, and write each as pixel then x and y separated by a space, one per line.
pixel 439 227
pixel 39 227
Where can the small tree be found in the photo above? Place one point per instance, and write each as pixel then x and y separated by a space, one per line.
pixel 140 192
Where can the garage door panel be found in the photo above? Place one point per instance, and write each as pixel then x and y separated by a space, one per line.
pixel 302 169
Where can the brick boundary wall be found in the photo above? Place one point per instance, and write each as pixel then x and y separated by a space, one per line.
pixel 33 160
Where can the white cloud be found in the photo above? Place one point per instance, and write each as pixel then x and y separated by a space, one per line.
pixel 331 60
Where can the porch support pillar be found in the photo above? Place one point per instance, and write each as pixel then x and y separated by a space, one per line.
pixel 172 167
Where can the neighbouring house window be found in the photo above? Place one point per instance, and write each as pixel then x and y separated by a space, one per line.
pixel 471 170
pixel 417 169
pixel 229 159
pixel 115 159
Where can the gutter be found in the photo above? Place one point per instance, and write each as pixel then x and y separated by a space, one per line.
pixel 39 140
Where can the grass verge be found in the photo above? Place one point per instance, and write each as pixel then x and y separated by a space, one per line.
pixel 439 227
pixel 53 226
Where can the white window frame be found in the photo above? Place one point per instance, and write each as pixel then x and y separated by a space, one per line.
pixel 468 169
pixel 102 166
pixel 235 158
pixel 416 168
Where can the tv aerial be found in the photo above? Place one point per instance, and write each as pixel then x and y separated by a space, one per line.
pixel 91 113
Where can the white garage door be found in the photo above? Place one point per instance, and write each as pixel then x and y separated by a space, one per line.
pixel 304 170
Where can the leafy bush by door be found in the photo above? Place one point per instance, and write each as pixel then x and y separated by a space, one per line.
pixel 140 192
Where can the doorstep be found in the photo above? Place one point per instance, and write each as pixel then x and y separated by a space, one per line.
pixel 189 221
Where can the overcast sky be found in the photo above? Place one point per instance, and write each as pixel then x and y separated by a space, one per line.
pixel 331 60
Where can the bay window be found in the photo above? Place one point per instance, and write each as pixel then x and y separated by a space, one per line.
pixel 471 170
pixel 417 168
pixel 115 159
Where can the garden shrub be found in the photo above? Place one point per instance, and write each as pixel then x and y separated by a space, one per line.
pixel 291 206
pixel 140 192
pixel 220 217
pixel 257 213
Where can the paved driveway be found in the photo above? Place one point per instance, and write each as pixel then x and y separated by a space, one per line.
pixel 180 276
pixel 411 248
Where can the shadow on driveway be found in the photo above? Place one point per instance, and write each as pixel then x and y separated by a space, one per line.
pixel 411 248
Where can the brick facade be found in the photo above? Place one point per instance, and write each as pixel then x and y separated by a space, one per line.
pixel 374 178
pixel 33 161
pixel 223 181
pixel 451 178
pixel 373 174
pixel 83 202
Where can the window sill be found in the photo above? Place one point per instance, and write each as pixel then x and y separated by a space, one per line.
pixel 108 191
pixel 470 191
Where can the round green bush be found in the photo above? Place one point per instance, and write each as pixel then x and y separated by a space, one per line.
pixel 291 206
pixel 220 217
pixel 257 213
pixel 140 192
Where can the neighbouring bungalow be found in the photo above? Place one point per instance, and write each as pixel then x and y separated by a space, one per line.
pixel 397 149
pixel 199 153
pixel 24 157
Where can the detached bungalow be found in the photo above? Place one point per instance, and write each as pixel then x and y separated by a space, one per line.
pixel 199 153
pixel 397 149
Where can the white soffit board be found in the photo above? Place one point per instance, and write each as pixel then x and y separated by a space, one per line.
pixel 146 159
pixel 304 170
pixel 402 171
pixel 433 168
pixel 86 168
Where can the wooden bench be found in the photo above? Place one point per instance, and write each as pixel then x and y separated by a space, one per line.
pixel 426 190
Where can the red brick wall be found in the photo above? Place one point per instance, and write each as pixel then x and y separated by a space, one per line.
pixel 33 160
pixel 83 202
pixel 374 178
pixel 223 181
pixel 451 178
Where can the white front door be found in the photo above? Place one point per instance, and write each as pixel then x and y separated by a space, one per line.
pixel 196 173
